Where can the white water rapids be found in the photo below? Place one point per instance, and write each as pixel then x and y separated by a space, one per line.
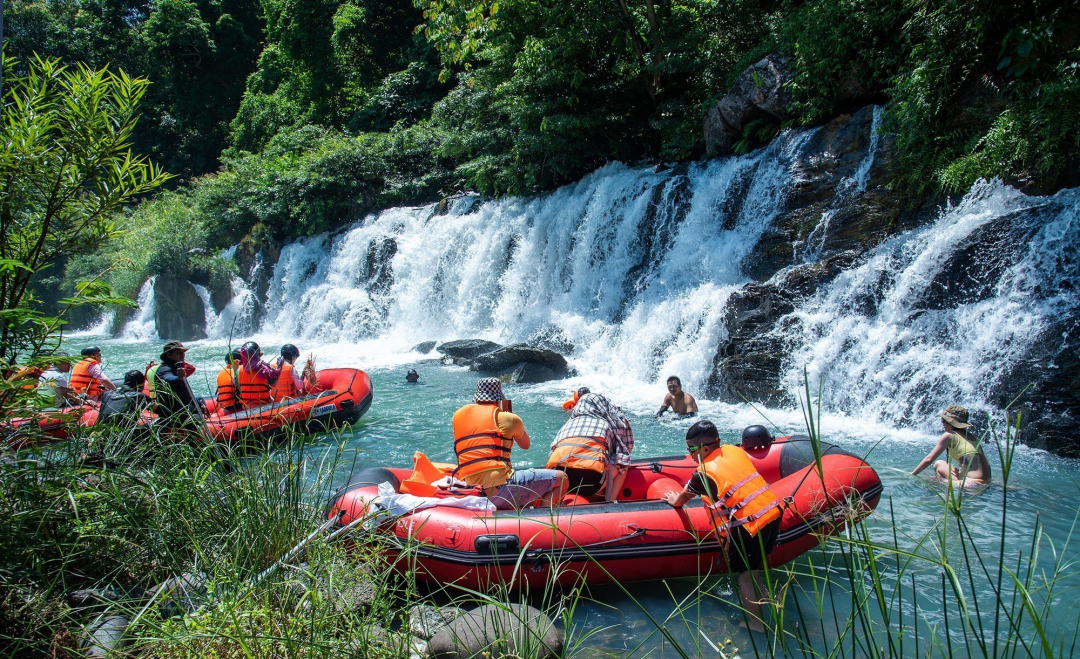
pixel 633 268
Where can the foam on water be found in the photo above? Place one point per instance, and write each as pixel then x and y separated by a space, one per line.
pixel 142 327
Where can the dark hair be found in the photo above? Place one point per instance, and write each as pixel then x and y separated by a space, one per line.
pixel 289 351
pixel 583 391
pixel 676 379
pixel 701 431
pixel 92 350
pixel 134 379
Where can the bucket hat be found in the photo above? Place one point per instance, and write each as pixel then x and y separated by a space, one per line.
pixel 488 390
pixel 956 415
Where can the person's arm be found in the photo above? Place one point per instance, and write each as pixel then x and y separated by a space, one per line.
pixel 679 500
pixel 622 446
pixel 943 443
pixel 691 405
pixel 668 400
pixel 169 375
pixel 511 426
pixel 297 381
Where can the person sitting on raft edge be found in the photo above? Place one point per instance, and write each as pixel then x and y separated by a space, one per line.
pixel 680 402
pixel 973 467
pixel 745 517
pixel 484 434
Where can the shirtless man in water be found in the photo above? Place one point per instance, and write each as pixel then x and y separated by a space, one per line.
pixel 680 402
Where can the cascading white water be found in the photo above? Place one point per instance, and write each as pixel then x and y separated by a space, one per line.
pixel 142 327
pixel 235 320
pixel 891 342
pixel 632 265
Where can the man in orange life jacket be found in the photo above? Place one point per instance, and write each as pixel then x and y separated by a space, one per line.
pixel 87 377
pixel 288 384
pixel 743 510
pixel 483 437
pixel 593 447
pixel 254 377
pixel 228 396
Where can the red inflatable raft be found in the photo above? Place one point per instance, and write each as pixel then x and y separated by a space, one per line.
pixel 635 539
pixel 343 396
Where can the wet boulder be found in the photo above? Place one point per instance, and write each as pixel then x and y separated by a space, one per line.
pixel 179 312
pixel 758 92
pixel 521 363
pixel 105 636
pixel 180 595
pixel 467 348
pixel 424 348
pixel 496 631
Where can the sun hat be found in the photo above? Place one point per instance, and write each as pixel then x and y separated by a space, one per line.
pixel 956 416
pixel 488 390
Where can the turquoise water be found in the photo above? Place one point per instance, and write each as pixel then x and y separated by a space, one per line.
pixel 406 417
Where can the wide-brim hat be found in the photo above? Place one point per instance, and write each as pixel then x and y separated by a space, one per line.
pixel 488 390
pixel 956 416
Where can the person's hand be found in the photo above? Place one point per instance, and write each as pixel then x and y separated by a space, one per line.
pixel 670 498
pixel 180 371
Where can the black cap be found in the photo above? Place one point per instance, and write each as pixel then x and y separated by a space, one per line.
pixel 289 351
pixel 91 350
pixel 756 437
pixel 134 379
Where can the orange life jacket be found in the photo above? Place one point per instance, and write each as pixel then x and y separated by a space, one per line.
pixel 226 389
pixel 81 382
pixel 284 387
pixel 571 402
pixel 478 442
pixel 29 376
pixel 254 388
pixel 744 497
pixel 579 453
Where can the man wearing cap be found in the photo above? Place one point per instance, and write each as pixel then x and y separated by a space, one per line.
pixel 87 378
pixel 483 436
pixel 175 404
pixel 973 467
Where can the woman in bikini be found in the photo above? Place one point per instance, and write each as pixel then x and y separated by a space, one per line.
pixel 972 466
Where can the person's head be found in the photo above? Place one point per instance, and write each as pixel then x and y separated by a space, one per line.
pixel 581 392
pixel 955 417
pixel 61 364
pixel 93 352
pixel 702 439
pixel 174 351
pixel 488 390
pixel 290 353
pixel 250 352
pixel 674 385
pixel 412 375
pixel 134 379
pixel 233 357
pixel 756 437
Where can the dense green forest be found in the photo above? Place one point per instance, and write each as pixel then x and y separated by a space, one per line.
pixel 284 118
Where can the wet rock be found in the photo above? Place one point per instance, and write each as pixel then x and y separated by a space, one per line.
pixel 467 348
pixel 425 620
pixel 522 363
pixel 92 596
pixel 748 363
pixel 758 92
pixel 357 595
pixel 826 212
pixel 424 348
pixel 517 630
pixel 551 337
pixel 179 312
pixel 104 636
pixel 180 595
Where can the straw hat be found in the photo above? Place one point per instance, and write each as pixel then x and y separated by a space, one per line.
pixel 956 416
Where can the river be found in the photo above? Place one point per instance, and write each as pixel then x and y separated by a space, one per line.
pixel 406 417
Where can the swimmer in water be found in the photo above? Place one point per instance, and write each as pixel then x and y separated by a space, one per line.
pixel 412 377
pixel 680 402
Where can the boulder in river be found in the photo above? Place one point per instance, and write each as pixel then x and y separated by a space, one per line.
pixel 759 91
pixel 424 348
pixel 179 312
pixel 496 631
pixel 467 348
pixel 523 363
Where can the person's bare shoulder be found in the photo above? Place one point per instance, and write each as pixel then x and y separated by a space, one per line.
pixel 669 399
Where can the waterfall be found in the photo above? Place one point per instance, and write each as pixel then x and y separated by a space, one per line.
pixel 943 313
pixel 236 319
pixel 631 265
pixel 142 327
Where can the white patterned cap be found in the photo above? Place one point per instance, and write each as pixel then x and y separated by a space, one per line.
pixel 488 390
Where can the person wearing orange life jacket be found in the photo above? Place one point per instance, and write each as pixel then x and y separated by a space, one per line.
pixel 87 378
pixel 593 447
pixel 288 384
pixel 483 438
pixel 254 376
pixel 570 402
pixel 228 395
pixel 744 512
